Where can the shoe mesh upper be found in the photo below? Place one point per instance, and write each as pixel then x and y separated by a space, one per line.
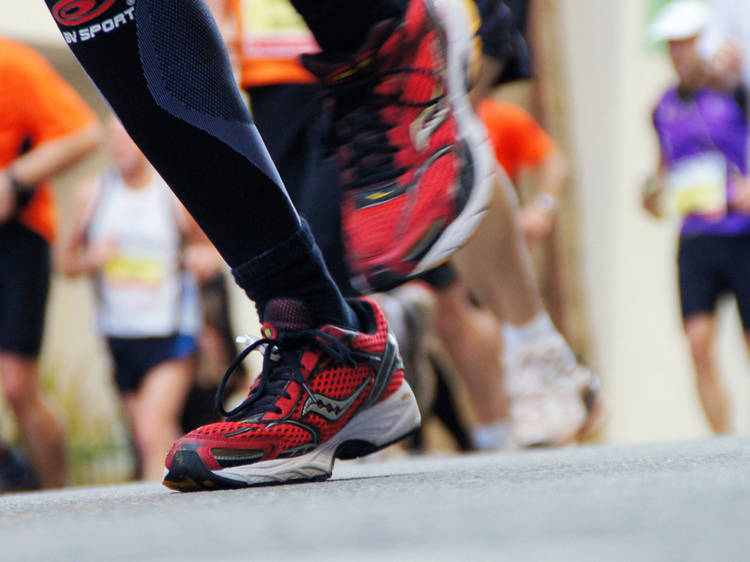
pixel 400 194
pixel 339 391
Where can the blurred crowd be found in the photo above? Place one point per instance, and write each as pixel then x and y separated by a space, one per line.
pixel 487 363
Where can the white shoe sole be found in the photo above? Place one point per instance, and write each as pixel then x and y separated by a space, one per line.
pixel 375 428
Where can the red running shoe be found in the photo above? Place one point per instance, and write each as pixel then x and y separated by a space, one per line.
pixel 415 161
pixel 323 394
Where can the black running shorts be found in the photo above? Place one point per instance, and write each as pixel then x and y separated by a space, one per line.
pixel 503 33
pixel 710 266
pixel 440 277
pixel 135 357
pixel 24 285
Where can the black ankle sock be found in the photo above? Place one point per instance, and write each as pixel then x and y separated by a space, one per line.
pixel 340 26
pixel 295 269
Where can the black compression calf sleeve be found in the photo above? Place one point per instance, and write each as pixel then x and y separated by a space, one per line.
pixel 340 25
pixel 162 66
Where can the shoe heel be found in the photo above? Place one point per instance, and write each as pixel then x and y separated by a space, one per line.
pixel 380 426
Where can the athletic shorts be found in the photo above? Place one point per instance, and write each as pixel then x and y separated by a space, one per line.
pixel 135 357
pixel 496 28
pixel 440 277
pixel 503 33
pixel 711 266
pixel 24 285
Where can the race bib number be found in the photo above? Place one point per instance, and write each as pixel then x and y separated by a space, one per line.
pixel 274 30
pixel 698 185
pixel 134 272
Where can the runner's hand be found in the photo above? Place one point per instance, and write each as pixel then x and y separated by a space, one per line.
pixel 725 67
pixel 741 194
pixel 201 260
pixel 7 197
pixel 651 196
pixel 99 253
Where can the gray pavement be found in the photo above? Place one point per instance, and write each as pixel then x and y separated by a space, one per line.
pixel 681 502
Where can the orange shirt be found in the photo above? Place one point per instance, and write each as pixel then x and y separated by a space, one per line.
pixel 272 36
pixel 517 138
pixel 36 106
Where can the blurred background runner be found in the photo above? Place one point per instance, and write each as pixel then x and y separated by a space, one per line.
pixel 132 236
pixel 703 136
pixel 45 127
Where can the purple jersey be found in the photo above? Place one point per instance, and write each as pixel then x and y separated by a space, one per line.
pixel 705 123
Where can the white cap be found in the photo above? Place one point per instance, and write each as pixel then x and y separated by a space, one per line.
pixel 678 20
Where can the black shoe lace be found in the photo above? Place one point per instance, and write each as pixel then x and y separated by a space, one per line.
pixel 281 364
pixel 359 125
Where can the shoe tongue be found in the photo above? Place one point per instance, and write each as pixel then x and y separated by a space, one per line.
pixel 287 315
pixel 338 68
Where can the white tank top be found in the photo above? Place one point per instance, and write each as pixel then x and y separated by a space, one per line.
pixel 143 291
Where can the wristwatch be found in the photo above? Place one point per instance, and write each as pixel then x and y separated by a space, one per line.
pixel 23 192
pixel 545 202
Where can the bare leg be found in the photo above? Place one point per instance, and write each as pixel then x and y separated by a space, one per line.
pixel 470 337
pixel 713 395
pixel 40 429
pixel 554 400
pixel 154 411
pixel 496 266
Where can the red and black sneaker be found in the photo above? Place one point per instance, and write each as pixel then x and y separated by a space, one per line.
pixel 415 161
pixel 322 394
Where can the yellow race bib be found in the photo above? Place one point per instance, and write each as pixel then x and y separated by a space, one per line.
pixel 698 185
pixel 126 270
pixel 272 29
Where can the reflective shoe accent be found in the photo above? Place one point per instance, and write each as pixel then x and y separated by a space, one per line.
pixel 416 162
pixel 554 400
pixel 323 394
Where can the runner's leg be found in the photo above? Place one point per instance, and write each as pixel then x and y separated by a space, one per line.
pixel 40 429
pixel 713 394
pixel 155 412
pixel 163 68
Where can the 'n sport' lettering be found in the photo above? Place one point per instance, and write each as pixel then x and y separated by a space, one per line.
pixel 77 12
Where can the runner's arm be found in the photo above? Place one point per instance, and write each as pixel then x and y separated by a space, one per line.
pixel 553 172
pixel 74 256
pixel 538 217
pixel 52 157
pixel 652 190
pixel 45 161
pixel 59 126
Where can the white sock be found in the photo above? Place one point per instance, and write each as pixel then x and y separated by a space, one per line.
pixel 518 336
pixel 492 436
